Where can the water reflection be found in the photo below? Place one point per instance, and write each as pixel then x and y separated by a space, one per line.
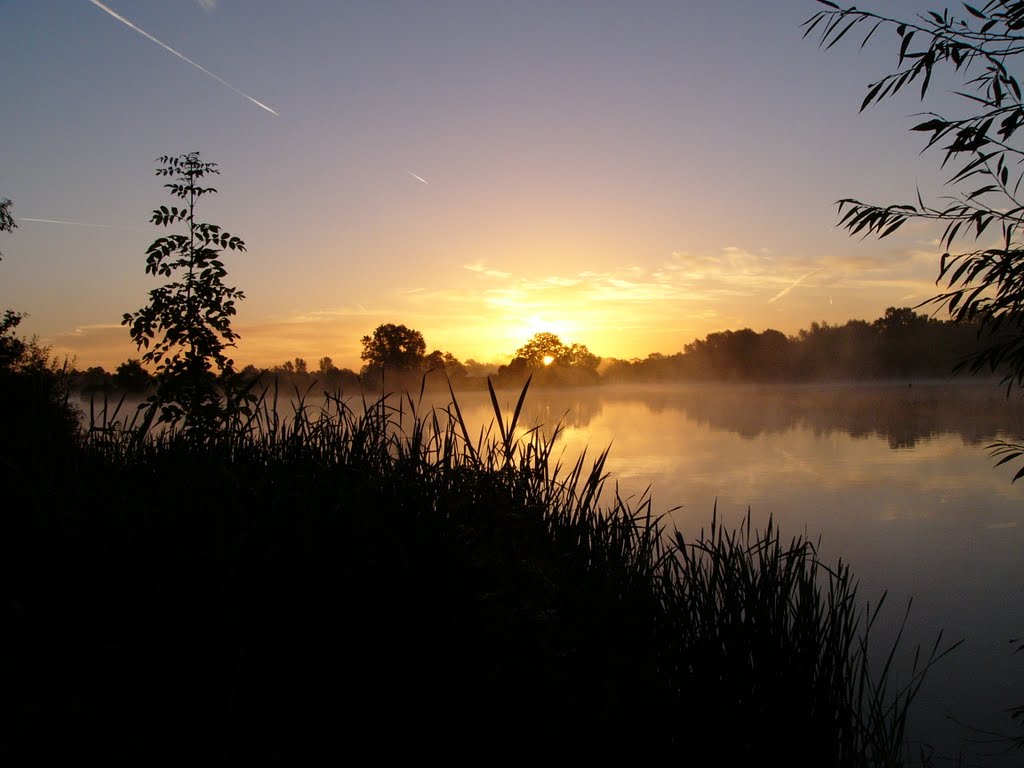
pixel 894 480
pixel 903 414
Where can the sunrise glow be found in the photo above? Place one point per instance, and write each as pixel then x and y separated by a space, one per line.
pixel 587 190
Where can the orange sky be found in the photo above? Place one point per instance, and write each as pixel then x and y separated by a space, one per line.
pixel 629 176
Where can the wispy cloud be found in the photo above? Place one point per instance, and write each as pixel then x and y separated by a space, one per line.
pixel 481 269
pixel 207 5
pixel 181 56
pixel 418 178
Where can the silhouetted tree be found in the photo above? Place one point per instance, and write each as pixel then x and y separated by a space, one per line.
pixel 476 369
pixel 984 286
pixel 454 367
pixel 394 347
pixel 249 373
pixel 11 347
pixel 132 376
pixel 326 366
pixel 186 327
pixel 539 347
pixel 546 348
pixel 446 362
pixel 578 356
pixel 94 379
pixel 7 223
pixel 434 361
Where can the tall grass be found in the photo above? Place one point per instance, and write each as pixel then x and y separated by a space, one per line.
pixel 372 581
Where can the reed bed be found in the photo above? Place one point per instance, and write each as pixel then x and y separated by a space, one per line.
pixel 372 582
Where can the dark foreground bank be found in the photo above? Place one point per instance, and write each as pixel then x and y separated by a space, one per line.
pixel 374 585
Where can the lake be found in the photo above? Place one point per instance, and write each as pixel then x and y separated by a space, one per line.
pixel 894 479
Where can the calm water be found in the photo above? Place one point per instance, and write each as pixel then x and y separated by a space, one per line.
pixel 895 480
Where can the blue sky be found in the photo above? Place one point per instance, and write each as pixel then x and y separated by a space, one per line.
pixel 629 175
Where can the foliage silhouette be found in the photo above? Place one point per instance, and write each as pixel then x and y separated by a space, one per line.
pixel 550 362
pixel 984 285
pixel 39 423
pixel 394 347
pixel 901 345
pixel 11 347
pixel 7 222
pixel 132 376
pixel 540 347
pixel 546 349
pixel 186 327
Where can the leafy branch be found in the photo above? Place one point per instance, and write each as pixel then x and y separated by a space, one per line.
pixel 983 286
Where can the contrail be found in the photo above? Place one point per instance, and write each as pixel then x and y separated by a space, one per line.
pixel 71 223
pixel 166 47
pixel 86 223
pixel 799 280
pixel 80 224
pixel 418 178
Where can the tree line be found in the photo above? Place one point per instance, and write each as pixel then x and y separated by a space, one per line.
pixel 185 334
pixel 902 344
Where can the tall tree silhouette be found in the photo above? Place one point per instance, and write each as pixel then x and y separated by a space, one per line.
pixel 186 327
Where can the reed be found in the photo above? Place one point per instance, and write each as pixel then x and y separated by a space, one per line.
pixel 373 581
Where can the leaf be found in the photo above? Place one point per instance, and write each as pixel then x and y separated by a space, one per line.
pixel 936 124
pixel 1008 457
pixel 975 12
pixel 982 191
pixel 869 34
pixel 892 227
pixel 905 44
pixel 871 95
pixel 839 37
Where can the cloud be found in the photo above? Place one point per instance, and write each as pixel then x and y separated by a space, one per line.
pixel 480 269
pixel 207 5
pixel 83 330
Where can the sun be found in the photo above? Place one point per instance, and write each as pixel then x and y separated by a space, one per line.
pixel 548 360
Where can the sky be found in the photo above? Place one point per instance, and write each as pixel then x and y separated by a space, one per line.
pixel 630 175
